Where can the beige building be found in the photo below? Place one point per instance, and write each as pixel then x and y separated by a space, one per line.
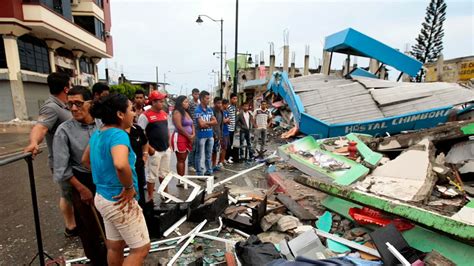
pixel 459 70
pixel 39 37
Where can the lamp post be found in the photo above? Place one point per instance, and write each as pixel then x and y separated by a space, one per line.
pixel 199 21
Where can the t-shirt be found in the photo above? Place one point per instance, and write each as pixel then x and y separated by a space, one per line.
pixel 192 107
pixel 137 140
pixel 225 129
pixel 233 117
pixel 261 117
pixel 220 123
pixel 155 125
pixel 104 173
pixel 206 115
pixel 52 114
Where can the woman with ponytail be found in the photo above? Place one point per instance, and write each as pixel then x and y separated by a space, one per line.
pixel 112 162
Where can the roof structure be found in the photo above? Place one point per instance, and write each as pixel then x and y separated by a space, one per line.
pixel 335 100
pixel 352 42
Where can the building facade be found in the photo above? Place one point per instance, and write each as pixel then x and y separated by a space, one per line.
pixel 39 37
pixel 459 70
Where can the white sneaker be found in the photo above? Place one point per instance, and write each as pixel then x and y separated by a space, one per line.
pixel 230 161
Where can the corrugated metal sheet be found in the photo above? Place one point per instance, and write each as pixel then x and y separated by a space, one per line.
pixel 335 100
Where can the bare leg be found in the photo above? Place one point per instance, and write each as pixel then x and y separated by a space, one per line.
pixel 150 188
pixel 68 213
pixel 214 159
pixel 181 162
pixel 115 252
pixel 137 256
pixel 223 152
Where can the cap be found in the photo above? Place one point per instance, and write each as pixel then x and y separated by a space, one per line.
pixel 156 95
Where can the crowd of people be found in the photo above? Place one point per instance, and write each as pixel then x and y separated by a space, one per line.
pixel 106 152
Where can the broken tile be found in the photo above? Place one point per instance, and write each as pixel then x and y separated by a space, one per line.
pixel 269 220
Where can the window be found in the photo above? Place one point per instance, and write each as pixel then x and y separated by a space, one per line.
pixel 100 3
pixel 86 66
pixel 3 57
pixel 33 54
pixel 91 24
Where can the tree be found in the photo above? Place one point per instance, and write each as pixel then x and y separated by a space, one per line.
pixel 125 88
pixel 429 42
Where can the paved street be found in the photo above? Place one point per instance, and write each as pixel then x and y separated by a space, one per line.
pixel 17 234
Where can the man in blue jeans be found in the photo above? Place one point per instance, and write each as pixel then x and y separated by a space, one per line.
pixel 205 120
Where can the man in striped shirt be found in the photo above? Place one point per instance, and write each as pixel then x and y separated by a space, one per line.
pixel 232 109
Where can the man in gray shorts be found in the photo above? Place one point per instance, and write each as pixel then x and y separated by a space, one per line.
pixel 54 112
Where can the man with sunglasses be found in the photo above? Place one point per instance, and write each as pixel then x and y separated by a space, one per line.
pixel 51 114
pixel 70 142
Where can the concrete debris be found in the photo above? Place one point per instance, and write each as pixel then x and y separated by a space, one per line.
pixel 269 220
pixel 408 177
pixel 272 237
pixel 287 222
pixel 461 152
pixel 434 258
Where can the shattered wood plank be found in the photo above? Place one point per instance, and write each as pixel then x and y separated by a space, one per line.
pixel 422 216
pixel 271 191
pixel 448 131
pixel 295 208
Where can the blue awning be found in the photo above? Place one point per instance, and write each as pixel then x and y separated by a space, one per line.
pixel 350 41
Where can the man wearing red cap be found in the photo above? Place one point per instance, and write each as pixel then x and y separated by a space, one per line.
pixel 155 123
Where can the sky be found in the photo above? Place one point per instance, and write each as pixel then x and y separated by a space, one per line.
pixel 164 33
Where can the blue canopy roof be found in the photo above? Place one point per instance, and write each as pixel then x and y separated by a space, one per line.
pixel 350 41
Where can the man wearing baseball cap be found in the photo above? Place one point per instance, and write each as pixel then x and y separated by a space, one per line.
pixel 155 123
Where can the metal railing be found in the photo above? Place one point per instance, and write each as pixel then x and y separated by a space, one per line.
pixel 34 200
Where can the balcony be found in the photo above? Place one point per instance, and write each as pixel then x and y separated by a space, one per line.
pixel 88 8
pixel 62 8
pixel 46 23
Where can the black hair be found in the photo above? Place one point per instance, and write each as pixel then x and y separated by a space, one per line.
pixel 106 108
pixel 57 81
pixel 232 95
pixel 203 94
pixel 263 101
pixel 178 106
pixel 140 92
pixel 81 90
pixel 245 103
pixel 217 99
pixel 225 101
pixel 195 90
pixel 99 87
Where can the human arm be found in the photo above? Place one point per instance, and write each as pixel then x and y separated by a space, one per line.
pixel 62 170
pixel 85 193
pixel 124 172
pixel 36 137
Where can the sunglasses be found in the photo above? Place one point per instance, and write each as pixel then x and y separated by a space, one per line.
pixel 78 104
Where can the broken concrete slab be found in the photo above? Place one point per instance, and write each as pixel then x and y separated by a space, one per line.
pixel 287 222
pixel 408 177
pixel 448 131
pixel 307 245
pixel 466 214
pixel 461 152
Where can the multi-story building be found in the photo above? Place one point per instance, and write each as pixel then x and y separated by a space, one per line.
pixel 44 36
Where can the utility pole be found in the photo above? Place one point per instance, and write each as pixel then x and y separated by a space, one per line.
pixel 236 42
pixel 157 77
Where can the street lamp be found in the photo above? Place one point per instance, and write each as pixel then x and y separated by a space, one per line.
pixel 199 21
pixel 236 42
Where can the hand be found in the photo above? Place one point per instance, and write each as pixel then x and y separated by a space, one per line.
pixel 33 148
pixel 126 198
pixel 86 196
pixel 145 157
pixel 191 137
